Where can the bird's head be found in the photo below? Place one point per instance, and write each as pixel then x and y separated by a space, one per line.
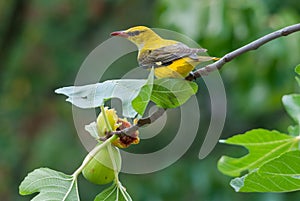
pixel 139 35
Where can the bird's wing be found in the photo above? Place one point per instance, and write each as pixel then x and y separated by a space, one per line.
pixel 164 55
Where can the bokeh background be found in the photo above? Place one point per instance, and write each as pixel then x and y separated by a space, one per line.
pixel 43 43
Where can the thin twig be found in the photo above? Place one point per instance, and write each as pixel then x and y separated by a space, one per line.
pixel 251 46
pixel 141 122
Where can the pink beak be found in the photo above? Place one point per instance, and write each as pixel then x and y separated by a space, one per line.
pixel 120 33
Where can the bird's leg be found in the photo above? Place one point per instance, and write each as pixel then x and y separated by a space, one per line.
pixel 191 76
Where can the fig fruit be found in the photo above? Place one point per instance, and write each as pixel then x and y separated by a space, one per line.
pixel 100 169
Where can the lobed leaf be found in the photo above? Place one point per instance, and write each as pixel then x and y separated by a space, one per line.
pixel 281 174
pixel 94 95
pixel 51 185
pixel 135 94
pixel 263 146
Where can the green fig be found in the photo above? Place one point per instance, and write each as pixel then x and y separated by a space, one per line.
pixel 112 117
pixel 100 169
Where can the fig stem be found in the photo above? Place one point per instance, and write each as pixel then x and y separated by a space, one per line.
pixel 114 163
pixel 92 153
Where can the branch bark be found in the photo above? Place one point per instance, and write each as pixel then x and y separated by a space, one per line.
pixel 251 46
pixel 212 67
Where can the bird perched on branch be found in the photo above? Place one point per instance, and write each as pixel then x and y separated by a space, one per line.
pixel 169 58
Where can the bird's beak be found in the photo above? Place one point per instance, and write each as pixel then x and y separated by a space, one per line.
pixel 120 33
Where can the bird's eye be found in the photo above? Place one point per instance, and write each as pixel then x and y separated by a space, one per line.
pixel 133 33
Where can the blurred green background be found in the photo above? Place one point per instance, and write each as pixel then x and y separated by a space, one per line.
pixel 43 43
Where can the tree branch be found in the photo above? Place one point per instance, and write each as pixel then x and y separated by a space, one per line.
pixel 251 46
pixel 209 68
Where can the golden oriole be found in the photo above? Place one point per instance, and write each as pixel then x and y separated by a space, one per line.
pixel 169 58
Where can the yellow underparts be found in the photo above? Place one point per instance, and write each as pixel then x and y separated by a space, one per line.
pixel 179 68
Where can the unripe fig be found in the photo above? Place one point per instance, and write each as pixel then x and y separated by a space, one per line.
pixel 116 123
pixel 112 118
pixel 100 169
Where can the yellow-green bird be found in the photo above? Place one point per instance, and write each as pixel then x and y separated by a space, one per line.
pixel 170 58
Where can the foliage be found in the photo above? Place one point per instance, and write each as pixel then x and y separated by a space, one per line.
pixel 135 94
pixel 103 166
pixel 263 146
pixel 51 184
pixel 94 95
pixel 273 158
pixel 171 93
pixel 278 175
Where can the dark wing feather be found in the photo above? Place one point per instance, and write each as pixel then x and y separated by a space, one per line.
pixel 167 54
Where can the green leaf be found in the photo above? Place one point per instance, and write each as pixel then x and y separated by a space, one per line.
pixel 171 92
pixel 279 175
pixel 297 69
pixel 263 146
pixel 94 95
pixel 141 101
pixel 286 165
pixel 51 184
pixel 113 193
pixel 292 105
